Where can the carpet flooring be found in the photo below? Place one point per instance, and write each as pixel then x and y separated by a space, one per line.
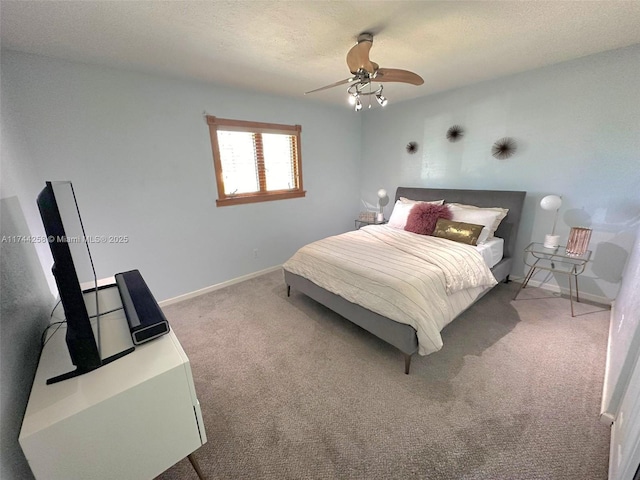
pixel 291 390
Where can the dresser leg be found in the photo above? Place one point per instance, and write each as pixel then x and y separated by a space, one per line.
pixel 196 467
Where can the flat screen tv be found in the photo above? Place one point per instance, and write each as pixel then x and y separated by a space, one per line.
pixel 55 201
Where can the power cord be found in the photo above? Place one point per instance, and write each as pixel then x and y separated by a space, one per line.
pixel 107 312
pixel 43 342
pixel 54 309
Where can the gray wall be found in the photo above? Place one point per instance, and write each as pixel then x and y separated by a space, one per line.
pixel 25 304
pixel 577 125
pixel 622 377
pixel 138 152
pixel 624 337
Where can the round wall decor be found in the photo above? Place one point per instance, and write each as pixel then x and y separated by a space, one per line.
pixel 455 133
pixel 504 148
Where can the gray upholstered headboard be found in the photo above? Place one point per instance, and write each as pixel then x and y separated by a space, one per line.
pixel 512 200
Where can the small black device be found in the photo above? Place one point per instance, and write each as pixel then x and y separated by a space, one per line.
pixel 145 318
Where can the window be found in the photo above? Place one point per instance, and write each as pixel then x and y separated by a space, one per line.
pixel 255 162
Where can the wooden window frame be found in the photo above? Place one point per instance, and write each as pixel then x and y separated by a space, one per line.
pixel 263 195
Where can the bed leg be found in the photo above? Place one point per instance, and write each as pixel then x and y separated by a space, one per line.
pixel 407 363
pixel 288 290
pixel 506 280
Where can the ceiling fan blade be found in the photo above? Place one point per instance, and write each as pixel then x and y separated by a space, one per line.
pixel 358 57
pixel 397 75
pixel 341 82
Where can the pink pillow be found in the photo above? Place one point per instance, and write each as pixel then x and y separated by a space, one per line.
pixel 423 217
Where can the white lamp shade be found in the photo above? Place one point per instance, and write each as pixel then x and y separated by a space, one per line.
pixel 382 193
pixel 551 202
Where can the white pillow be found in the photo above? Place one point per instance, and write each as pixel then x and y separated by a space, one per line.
pixel 400 214
pixel 490 217
pixel 484 236
pixel 407 200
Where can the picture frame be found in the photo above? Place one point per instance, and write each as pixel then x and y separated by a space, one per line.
pixel 367 217
pixel 578 243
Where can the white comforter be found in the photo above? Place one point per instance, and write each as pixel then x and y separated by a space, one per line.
pixel 419 280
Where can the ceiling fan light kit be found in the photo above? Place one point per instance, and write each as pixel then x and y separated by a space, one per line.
pixel 364 71
pixel 357 90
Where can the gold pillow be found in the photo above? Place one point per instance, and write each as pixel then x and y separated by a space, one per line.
pixel 458 231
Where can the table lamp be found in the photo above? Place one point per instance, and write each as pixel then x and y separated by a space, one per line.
pixel 382 195
pixel 552 202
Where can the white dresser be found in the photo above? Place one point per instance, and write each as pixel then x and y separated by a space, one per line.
pixel 130 419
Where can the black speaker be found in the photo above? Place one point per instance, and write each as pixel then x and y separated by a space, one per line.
pixel 144 315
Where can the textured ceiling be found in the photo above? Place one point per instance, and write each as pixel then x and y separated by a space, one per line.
pixel 289 47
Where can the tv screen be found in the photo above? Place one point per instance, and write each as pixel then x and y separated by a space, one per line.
pixel 80 339
pixel 60 216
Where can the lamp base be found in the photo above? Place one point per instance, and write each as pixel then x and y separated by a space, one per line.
pixel 380 217
pixel 551 241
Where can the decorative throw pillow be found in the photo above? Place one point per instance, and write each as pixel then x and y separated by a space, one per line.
pixel 458 231
pixel 423 217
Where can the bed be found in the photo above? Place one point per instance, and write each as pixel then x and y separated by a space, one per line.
pixel 402 325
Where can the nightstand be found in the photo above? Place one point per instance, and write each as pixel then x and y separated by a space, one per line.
pixel 556 260
pixel 362 223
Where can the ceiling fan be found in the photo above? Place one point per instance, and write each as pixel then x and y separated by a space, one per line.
pixel 365 71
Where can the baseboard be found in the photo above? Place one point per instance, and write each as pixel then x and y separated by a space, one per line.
pixel 233 281
pixel 563 291
pixel 606 416
pixel 217 286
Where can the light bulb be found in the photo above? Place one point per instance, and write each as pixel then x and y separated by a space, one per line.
pixel 358 104
pixel 382 193
pixel 381 100
pixel 352 99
